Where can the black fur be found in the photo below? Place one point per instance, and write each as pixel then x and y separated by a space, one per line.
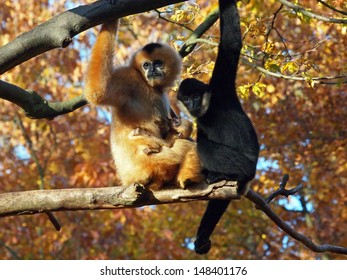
pixel 227 142
pixel 149 48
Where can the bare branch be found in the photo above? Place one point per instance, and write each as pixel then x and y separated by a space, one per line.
pixel 188 47
pixel 263 206
pixel 59 31
pixel 38 201
pixel 283 191
pixel 35 106
pixel 332 8
pixel 310 14
pixel 319 80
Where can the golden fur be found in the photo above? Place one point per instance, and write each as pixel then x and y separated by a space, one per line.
pixel 138 103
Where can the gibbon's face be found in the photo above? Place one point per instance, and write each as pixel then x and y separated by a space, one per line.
pixel 195 96
pixel 159 64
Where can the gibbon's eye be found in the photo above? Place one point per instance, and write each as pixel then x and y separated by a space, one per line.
pixel 159 64
pixel 146 65
pixel 185 99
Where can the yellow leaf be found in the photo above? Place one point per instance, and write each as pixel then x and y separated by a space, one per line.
pixel 291 67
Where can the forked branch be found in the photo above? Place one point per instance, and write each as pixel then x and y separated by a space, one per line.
pixel 39 201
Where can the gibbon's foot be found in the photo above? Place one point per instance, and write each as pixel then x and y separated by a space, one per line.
pixel 148 151
pixel 202 246
pixel 185 184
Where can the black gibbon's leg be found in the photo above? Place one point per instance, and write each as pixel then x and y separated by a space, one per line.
pixel 215 210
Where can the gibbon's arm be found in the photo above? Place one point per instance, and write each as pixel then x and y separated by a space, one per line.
pixel 230 45
pixel 100 66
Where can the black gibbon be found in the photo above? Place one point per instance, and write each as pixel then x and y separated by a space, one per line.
pixel 136 96
pixel 227 142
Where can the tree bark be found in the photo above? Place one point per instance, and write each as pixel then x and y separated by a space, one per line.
pixel 38 201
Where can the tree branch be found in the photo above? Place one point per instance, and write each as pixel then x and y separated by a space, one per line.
pixel 38 201
pixel 342 79
pixel 263 206
pixel 310 14
pixel 59 31
pixel 332 7
pixel 188 46
pixel 32 103
pixel 283 191
pixel 35 106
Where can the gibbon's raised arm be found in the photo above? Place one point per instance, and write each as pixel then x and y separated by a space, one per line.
pixel 230 45
pixel 100 67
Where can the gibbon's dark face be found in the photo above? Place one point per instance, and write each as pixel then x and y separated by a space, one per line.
pixel 195 96
pixel 159 64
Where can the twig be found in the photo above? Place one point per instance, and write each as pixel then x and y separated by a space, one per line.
pixel 282 190
pixel 332 8
pixel 320 80
pixel 310 14
pixel 40 170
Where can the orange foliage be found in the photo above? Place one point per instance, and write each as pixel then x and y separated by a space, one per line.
pixel 301 126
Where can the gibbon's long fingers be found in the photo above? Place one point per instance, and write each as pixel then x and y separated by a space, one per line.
pixel 101 64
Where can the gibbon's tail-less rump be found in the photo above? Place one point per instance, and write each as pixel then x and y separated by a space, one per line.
pixel 227 142
pixel 136 95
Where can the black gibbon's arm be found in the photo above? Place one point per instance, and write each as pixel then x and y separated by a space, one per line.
pixel 227 142
pixel 229 49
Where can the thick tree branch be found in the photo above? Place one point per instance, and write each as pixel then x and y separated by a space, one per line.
pixel 35 106
pixel 59 31
pixel 32 103
pixel 38 201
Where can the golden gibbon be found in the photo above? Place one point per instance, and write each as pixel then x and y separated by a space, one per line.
pixel 140 124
